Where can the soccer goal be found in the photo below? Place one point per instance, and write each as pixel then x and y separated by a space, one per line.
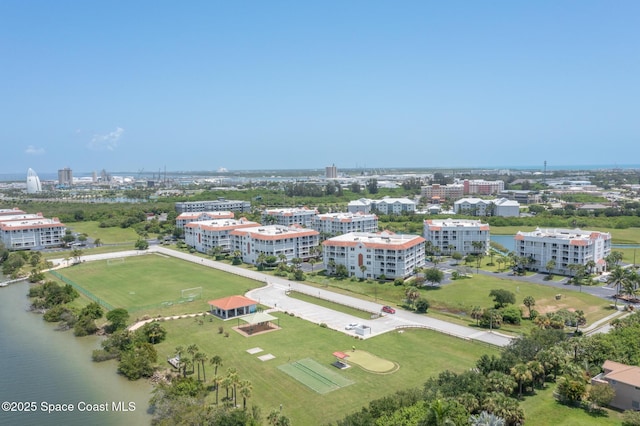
pixel 190 294
pixel 117 261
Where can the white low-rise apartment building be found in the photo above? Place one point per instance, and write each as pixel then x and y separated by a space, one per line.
pixel 206 235
pixel 273 240
pixel 565 247
pixel 302 216
pixel 479 207
pixel 220 204
pixel 374 255
pixel 457 235
pixel 185 218
pixel 332 224
pixel 386 205
pixel 31 231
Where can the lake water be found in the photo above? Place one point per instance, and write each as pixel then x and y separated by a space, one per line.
pixel 44 366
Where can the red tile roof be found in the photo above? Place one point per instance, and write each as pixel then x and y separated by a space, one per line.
pixel 232 302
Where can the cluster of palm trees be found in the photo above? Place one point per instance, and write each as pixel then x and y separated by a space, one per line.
pixel 231 381
pixel 625 280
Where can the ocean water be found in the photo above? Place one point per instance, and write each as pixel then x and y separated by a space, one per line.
pixel 42 367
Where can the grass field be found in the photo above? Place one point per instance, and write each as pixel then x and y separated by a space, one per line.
pixel 112 235
pixel 330 305
pixel 543 410
pixel 141 284
pixel 414 351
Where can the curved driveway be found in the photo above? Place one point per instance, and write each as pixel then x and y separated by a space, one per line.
pixel 274 294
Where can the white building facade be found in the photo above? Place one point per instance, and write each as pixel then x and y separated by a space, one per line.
pixel 274 240
pixel 185 218
pixel 220 204
pixel 480 207
pixel 289 216
pixel 31 231
pixel 333 224
pixel 374 255
pixel 456 235
pixel 564 247
pixel 206 235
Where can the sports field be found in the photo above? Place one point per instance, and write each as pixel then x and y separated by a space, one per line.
pixel 153 284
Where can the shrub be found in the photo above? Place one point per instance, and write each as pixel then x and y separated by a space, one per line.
pixel 512 315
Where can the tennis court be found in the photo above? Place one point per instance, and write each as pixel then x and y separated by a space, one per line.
pixel 315 376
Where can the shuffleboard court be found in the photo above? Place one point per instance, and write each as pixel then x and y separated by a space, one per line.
pixel 315 376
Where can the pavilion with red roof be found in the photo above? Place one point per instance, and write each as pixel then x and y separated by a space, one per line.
pixel 232 306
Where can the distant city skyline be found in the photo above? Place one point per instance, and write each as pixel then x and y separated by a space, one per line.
pixel 200 86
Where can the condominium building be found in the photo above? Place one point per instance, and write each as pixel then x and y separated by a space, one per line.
pixel 332 224
pixel 208 234
pixel 65 177
pixel 274 240
pixel 185 218
pixel 31 231
pixel 302 216
pixel 479 207
pixel 374 255
pixel 386 205
pixel 482 187
pixel 473 207
pixel 457 235
pixel 331 172
pixel 220 204
pixel 564 247
pixel 436 192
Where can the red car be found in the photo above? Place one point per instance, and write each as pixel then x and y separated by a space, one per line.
pixel 388 309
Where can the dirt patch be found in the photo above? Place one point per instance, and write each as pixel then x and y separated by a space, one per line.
pixel 254 330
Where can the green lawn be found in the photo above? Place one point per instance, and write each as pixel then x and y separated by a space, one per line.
pixel 413 350
pixel 331 305
pixel 112 235
pixel 142 283
pixel 543 409
pixel 463 295
pixel 457 299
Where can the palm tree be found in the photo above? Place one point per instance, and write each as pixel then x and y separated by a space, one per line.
pixel 529 302
pixel 216 361
pixel 552 359
pixel 537 371
pixel 196 361
pixel 97 242
pixel 439 411
pixel 262 257
pixel 412 294
pixel 216 382
pixel 476 314
pixel 486 419
pixel 185 363
pixel 234 379
pixel 312 261
pixel 550 266
pixel 192 350
pixel 501 382
pixel 500 260
pixel 245 392
pixel 590 264
pixel 616 278
pixel 363 269
pixel 478 247
pixel 522 374
pixel 226 382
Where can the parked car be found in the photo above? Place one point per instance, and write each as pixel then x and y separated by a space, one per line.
pixel 388 309
pixel 351 326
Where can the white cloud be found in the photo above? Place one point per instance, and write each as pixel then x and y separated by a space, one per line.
pixel 108 141
pixel 32 150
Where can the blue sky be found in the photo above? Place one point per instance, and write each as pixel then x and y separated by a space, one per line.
pixel 199 85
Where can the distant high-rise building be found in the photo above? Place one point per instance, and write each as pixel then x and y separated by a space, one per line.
pixel 331 172
pixel 33 182
pixel 65 177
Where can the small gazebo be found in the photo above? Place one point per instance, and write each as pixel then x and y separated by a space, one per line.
pixel 258 322
pixel 232 306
